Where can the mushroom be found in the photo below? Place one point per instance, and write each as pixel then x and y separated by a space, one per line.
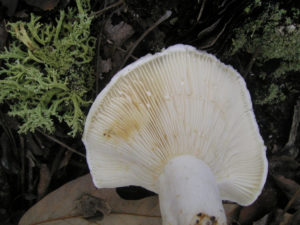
pixel 179 123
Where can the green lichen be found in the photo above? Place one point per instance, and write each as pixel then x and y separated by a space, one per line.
pixel 272 39
pixel 46 72
pixel 274 95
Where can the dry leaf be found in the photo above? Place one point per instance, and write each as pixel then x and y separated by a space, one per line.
pixel 80 203
pixel 295 219
pixel 264 204
pixel 278 217
pixel 89 207
pixel 43 4
pixel 45 178
pixel 63 207
pixel 289 188
pixel 118 33
pixel 104 67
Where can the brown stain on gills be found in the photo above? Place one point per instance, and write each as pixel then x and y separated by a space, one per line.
pixel 136 104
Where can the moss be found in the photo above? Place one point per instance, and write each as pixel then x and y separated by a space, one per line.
pixel 272 41
pixel 46 72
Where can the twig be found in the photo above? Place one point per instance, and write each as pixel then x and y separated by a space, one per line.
pixel 123 50
pixel 214 40
pixel 98 13
pixel 30 172
pixel 98 60
pixel 201 10
pixel 59 219
pixel 251 63
pixel 295 125
pixel 159 21
pixel 61 143
pixel 134 214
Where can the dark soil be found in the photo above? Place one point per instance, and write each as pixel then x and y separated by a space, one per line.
pixel 35 164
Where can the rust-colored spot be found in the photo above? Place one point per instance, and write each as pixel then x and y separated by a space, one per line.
pixel 122 131
pixel 128 109
pixel 204 219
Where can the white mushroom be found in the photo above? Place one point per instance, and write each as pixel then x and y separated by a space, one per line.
pixel 179 123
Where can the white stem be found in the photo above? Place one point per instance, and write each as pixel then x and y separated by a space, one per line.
pixel 188 193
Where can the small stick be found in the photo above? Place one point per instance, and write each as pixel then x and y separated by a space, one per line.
pixel 159 21
pixel 292 200
pixel 62 144
pixel 134 214
pixel 201 10
pixel 22 155
pixel 98 13
pixel 59 219
pixel 123 50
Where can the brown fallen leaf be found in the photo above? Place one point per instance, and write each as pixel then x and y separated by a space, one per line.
pixel 61 207
pixel 80 203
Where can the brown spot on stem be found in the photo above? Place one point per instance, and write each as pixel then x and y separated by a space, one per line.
pixel 204 219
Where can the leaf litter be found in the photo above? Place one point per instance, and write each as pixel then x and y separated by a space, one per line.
pixel 79 202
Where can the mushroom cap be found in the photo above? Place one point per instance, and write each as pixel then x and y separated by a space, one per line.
pixel 180 101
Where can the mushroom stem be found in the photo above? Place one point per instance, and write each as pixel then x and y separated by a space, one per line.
pixel 188 193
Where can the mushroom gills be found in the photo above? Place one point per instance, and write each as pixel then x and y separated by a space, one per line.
pixel 188 193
